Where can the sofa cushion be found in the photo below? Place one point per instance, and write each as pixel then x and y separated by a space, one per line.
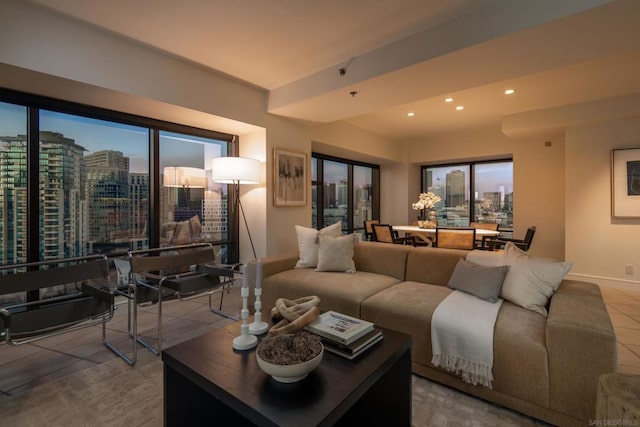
pixel 308 243
pixel 520 358
pixel 407 307
pixel 336 253
pixel 432 265
pixel 478 280
pixel 381 258
pixel 520 366
pixel 337 291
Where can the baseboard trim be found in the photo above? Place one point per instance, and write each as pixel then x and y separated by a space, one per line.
pixel 607 282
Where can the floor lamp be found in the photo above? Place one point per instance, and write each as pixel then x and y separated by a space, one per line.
pixel 236 171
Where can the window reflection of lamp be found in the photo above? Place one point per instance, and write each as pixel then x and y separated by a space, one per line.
pixel 183 178
pixel 236 171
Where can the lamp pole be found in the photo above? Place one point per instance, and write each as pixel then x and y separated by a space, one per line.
pixel 237 185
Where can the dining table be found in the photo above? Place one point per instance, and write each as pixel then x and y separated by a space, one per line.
pixel 429 234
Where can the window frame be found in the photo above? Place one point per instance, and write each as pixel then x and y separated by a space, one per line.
pixel 319 183
pixel 472 183
pixel 35 103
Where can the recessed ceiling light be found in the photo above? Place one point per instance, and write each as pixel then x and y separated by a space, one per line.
pixel 509 91
pixel 459 107
pixel 449 99
pixel 411 114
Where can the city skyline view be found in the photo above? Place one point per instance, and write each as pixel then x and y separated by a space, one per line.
pixel 94 186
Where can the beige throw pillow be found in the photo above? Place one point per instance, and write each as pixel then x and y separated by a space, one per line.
pixel 531 280
pixel 308 243
pixel 336 253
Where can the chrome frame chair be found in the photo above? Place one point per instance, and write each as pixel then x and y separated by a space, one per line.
pixel 186 271
pixel 91 304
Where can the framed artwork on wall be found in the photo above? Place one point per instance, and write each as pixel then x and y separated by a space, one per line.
pixel 625 183
pixel 289 178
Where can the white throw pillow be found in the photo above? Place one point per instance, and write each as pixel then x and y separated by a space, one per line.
pixel 531 280
pixel 486 258
pixel 336 253
pixel 308 243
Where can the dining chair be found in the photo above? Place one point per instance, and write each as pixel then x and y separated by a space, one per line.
pixel 368 230
pixel 524 244
pixel 384 233
pixel 455 238
pixel 481 243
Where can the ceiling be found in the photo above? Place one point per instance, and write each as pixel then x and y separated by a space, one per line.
pixel 399 56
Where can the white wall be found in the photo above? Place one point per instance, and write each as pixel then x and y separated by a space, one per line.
pixel 538 177
pixel 598 245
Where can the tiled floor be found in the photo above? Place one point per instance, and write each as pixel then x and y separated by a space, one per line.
pixel 45 383
pixel 624 310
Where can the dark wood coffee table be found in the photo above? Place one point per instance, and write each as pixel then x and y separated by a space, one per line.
pixel 207 382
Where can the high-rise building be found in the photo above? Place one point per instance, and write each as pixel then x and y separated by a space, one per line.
pixel 13 199
pixel 63 210
pixel 508 202
pixel 138 204
pixel 330 195
pixel 108 196
pixel 428 178
pixel 492 201
pixel 455 189
pixel 343 193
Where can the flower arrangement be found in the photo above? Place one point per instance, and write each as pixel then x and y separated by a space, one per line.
pixel 425 204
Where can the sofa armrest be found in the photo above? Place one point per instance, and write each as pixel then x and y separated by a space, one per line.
pixel 271 265
pixel 582 345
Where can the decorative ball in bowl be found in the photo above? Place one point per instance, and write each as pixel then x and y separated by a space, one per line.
pixel 289 357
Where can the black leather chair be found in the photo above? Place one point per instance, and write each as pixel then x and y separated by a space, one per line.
pixel 183 271
pixel 86 301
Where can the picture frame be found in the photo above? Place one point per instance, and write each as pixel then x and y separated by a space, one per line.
pixel 625 183
pixel 290 172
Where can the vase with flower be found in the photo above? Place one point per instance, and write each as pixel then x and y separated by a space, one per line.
pixel 425 206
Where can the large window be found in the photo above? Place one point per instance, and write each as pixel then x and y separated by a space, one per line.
pixel 343 190
pixel 78 180
pixel 472 192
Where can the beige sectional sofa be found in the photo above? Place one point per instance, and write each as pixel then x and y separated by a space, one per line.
pixel 545 367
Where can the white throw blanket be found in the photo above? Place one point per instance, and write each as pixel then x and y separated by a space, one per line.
pixel 462 336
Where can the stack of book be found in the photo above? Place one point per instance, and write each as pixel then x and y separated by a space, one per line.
pixel 344 335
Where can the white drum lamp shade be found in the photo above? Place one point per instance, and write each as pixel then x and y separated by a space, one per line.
pixel 235 170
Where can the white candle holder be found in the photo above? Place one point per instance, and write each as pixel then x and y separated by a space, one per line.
pixel 244 341
pixel 258 327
